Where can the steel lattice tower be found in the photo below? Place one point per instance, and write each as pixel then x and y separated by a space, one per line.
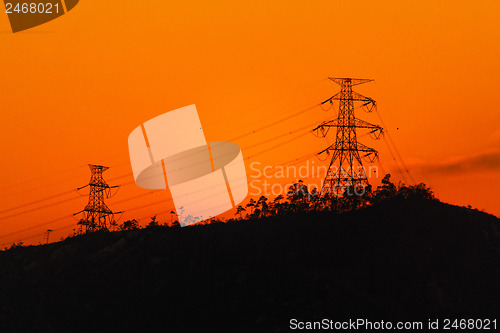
pixel 96 215
pixel 346 168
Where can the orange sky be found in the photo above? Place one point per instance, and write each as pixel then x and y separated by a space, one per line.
pixel 74 88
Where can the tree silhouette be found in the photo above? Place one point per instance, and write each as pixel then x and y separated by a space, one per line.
pixel 297 191
pixel 153 222
pixel 83 223
pixel 130 225
pixel 172 214
pixel 278 199
pixel 262 205
pixel 298 196
pixel 251 204
pixel 387 190
pixel 15 245
pixel 276 206
pixel 299 199
pixel 240 210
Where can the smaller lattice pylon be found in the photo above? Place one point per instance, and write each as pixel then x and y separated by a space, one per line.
pixel 96 214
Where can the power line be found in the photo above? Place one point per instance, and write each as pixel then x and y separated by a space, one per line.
pixel 397 152
pixel 287 94
pixel 36 226
pixel 38 208
pixel 132 182
pixel 127 210
pixel 251 132
pixel 251 146
pixel 279 121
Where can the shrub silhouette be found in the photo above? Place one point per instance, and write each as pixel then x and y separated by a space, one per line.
pixel 405 256
pixel 130 225
pixel 153 223
pixel 299 199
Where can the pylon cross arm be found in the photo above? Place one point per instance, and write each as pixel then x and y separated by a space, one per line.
pixel 354 96
pixel 358 123
pixel 354 82
pixel 365 149
pixel 364 124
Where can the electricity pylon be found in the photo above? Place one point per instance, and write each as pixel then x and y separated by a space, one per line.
pixel 96 215
pixel 346 169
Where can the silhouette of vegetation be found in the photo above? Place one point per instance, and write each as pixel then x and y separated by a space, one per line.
pixel 172 216
pixel 240 210
pixel 130 225
pixel 113 225
pixel 82 224
pixel 299 199
pixel 251 204
pixel 153 223
pixel 395 253
pixel 14 245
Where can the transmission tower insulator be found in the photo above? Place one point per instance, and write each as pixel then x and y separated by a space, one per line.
pixel 369 106
pixel 376 134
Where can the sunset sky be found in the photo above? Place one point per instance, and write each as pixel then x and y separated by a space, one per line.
pixel 73 89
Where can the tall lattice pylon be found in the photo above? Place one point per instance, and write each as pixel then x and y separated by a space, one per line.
pixel 96 215
pixel 346 170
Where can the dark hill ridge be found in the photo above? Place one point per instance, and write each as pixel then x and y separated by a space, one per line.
pixel 397 260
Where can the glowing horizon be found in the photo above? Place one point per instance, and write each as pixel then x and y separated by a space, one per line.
pixel 75 87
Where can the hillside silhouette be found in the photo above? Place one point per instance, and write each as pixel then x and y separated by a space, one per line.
pixel 403 258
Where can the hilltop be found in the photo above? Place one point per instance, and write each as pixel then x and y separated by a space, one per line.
pixel 399 259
